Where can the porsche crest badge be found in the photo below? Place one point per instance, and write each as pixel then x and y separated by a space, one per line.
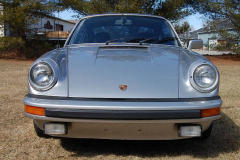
pixel 123 87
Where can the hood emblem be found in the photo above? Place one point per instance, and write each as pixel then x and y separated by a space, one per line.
pixel 123 87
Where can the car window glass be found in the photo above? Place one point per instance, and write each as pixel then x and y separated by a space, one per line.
pixel 122 28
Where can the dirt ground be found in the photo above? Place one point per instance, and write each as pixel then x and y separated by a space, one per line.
pixel 225 59
pixel 19 141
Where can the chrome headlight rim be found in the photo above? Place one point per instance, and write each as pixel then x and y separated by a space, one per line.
pixel 55 71
pixel 192 70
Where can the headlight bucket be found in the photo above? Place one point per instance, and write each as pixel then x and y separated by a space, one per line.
pixel 204 77
pixel 43 74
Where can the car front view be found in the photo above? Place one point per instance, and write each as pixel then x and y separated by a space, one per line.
pixel 123 76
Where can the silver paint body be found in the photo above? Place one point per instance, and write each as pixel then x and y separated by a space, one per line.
pixel 195 44
pixel 95 70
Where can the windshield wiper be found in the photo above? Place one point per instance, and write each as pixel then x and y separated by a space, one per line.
pixel 113 40
pixel 109 41
pixel 135 40
pixel 147 40
pixel 142 40
pixel 166 39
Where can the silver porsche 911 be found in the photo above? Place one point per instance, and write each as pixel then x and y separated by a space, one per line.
pixel 123 76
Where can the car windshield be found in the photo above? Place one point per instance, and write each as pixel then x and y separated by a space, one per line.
pixel 124 29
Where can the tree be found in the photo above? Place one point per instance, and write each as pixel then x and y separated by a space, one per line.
pixel 226 32
pixel 170 9
pixel 180 29
pixel 217 11
pixel 221 9
pixel 20 14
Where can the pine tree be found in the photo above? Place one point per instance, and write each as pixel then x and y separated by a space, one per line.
pixel 221 9
pixel 20 14
pixel 170 9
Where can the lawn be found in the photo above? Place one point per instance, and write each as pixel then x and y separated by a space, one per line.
pixel 19 141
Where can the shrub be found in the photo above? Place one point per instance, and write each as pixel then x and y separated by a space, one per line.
pixel 220 47
pixel 28 49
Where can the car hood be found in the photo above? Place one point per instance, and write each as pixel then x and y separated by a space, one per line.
pixel 147 71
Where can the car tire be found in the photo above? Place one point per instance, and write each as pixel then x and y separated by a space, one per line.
pixel 38 131
pixel 206 134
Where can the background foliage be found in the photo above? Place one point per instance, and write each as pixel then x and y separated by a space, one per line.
pixel 185 27
pixel 20 14
pixel 220 9
pixel 170 9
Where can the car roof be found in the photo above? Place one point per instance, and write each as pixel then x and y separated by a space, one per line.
pixel 123 14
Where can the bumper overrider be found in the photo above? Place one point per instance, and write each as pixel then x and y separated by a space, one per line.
pixel 133 119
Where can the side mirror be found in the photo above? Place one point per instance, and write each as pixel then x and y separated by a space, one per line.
pixel 195 44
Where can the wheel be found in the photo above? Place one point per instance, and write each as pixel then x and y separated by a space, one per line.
pixel 38 131
pixel 206 134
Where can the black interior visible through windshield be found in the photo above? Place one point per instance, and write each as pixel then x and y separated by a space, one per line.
pixel 127 29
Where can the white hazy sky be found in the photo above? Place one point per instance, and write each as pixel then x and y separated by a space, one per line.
pixel 193 20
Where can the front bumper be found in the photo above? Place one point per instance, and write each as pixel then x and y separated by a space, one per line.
pixel 122 119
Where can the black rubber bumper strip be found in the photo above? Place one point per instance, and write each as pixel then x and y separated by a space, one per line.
pixel 125 99
pixel 121 115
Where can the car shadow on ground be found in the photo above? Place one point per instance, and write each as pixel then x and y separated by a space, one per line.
pixel 225 138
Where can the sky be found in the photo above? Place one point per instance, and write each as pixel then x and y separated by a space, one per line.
pixel 193 20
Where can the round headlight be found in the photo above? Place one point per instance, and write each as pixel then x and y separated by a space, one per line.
pixel 42 76
pixel 205 76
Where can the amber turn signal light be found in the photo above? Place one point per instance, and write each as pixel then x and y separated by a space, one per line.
pixel 35 110
pixel 210 112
